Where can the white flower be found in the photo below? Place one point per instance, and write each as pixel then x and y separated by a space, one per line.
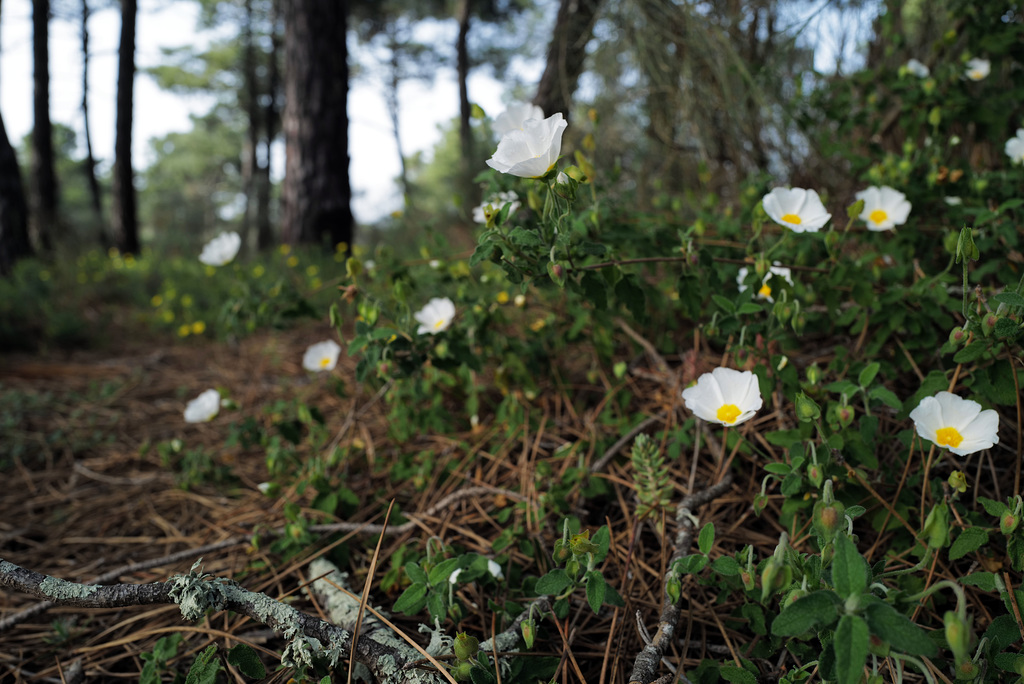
pixel 530 152
pixel 495 570
pixel 512 119
pixel 436 316
pixel 956 423
pixel 884 208
pixel 918 68
pixel 322 356
pixel 953 201
pixel 724 396
pixel 765 292
pixel 221 249
pixel 495 204
pixel 797 209
pixel 203 408
pixel 978 68
pixel 1015 147
pixel 434 264
pixel 454 577
pixel 264 487
pixel 369 264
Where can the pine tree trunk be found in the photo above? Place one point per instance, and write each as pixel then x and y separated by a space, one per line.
pixel 14 242
pixel 90 160
pixel 43 174
pixel 124 221
pixel 574 28
pixel 264 235
pixel 317 193
pixel 468 161
pixel 250 161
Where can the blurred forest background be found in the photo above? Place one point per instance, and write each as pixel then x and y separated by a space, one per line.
pixel 692 96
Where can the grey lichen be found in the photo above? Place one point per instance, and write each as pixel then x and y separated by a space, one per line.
pixel 62 590
pixel 440 643
pixel 197 592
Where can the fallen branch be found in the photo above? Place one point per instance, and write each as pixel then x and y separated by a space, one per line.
pixel 645 666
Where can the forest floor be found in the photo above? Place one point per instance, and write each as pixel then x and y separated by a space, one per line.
pixel 86 491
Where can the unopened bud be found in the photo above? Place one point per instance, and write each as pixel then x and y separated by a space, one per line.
pixel 958 635
pixel 813 374
pixel 936 526
pixel 674 589
pixel 775 576
pixel 760 501
pixel 806 409
pixel 828 518
pixel 793 596
pixel 747 579
pixel 581 545
pixel 967 671
pixel 957 336
pixel 815 474
pixel 562 552
pixel 462 670
pixel 529 629
pixel 988 323
pixel 465 646
pixel 845 415
pixel 878 646
pixel 1008 523
pixel 958 481
pixel 455 612
pixel 572 568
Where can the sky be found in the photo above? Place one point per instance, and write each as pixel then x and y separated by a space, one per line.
pixel 163 23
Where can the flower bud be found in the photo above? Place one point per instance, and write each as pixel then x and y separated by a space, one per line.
pixel 936 526
pixel 958 481
pixel 806 408
pixel 465 646
pixel 958 635
pixel 813 374
pixel 581 545
pixel 572 568
pixel 815 474
pixel 462 670
pixel 800 322
pixel 760 501
pixel 674 588
pixel 557 273
pixel 748 580
pixel 828 518
pixel 878 647
pixel 455 612
pixel 988 323
pixel 562 552
pixel 529 629
pixel 845 415
pixel 775 576
pixel 1008 523
pixel 793 596
pixel 967 671
pixel 957 336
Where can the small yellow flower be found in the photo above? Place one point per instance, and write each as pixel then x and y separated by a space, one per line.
pixel 113 253
pixel 341 247
pixel 157 300
pixel 258 270
pixel 186 301
pixel 503 297
pixel 184 330
pixel 285 249
pixel 316 283
pixel 170 294
pixel 198 328
pixel 312 270
pixel 167 315
pixel 293 261
pixel 274 291
pixel 537 325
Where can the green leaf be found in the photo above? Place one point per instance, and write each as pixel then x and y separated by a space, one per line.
pixel 412 599
pixel 1002 632
pixel 986 581
pixel 437 604
pixel 815 611
pixel 724 303
pixel 726 566
pixel 691 564
pixel 440 573
pixel 593 248
pixel 603 539
pixel 851 648
pixel 736 675
pixel 706 539
pixel 522 237
pixel 415 573
pixel 791 485
pixel 205 668
pixel 595 290
pixel 596 589
pixel 1006 327
pixel 1009 662
pixel 483 252
pixel 778 468
pixel 784 438
pixel 849 571
pixel 886 396
pixel 554 582
pixel 755 618
pixel 248 663
pixel 166 647
pixel 1010 299
pixel 749 308
pixel 902 634
pixel 971 352
pixel 632 296
pixel 994 508
pixel 868 374
pixel 968 541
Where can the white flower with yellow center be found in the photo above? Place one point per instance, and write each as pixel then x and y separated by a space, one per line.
pixel 1014 147
pixel 766 291
pixel 978 68
pixel 203 408
pixel 798 209
pixel 724 396
pixel 494 205
pixel 884 208
pixel 917 68
pixel 956 423
pixel 221 249
pixel 530 151
pixel 322 356
pixel 512 119
pixel 435 317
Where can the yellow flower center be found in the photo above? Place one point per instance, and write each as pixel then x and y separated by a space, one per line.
pixel 878 216
pixel 765 291
pixel 728 413
pixel 948 436
pixel 325 362
pixel 791 218
pixel 440 322
pixel 977 75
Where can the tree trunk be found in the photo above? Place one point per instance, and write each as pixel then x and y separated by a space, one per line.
pixel 45 185
pixel 264 235
pixel 391 101
pixel 317 193
pixel 14 242
pixel 574 28
pixel 250 161
pixel 125 223
pixel 90 160
pixel 468 161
